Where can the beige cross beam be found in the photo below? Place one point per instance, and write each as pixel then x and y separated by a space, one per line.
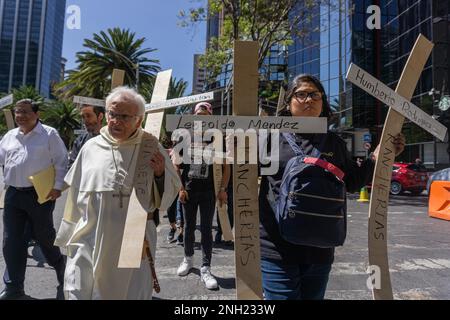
pixel 400 106
pixel 5 102
pixel 245 178
pixel 136 221
pixel 173 103
pixel 118 78
pixel 160 91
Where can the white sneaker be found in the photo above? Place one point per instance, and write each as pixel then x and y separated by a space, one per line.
pixel 185 266
pixel 208 279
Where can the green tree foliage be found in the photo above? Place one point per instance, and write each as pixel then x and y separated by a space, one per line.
pixel 266 21
pixel 64 117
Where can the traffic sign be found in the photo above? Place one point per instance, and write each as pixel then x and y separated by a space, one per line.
pixel 367 137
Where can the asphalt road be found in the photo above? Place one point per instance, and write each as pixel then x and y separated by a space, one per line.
pixel 419 258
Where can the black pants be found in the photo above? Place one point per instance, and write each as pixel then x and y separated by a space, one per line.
pixel 207 202
pixel 21 207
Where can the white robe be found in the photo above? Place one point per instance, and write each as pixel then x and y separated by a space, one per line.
pixel 93 223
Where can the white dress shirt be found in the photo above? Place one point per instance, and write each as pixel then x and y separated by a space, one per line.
pixel 25 155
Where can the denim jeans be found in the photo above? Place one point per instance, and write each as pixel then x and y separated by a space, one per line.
pixel 207 202
pixel 283 281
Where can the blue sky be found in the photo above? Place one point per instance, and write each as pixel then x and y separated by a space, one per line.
pixel 156 20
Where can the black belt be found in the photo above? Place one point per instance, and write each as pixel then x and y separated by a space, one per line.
pixel 27 189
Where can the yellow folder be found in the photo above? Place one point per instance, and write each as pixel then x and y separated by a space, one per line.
pixel 43 183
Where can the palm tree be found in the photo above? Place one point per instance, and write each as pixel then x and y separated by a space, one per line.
pixel 114 49
pixel 28 92
pixel 64 117
pixel 177 88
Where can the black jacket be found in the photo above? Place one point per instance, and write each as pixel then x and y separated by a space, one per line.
pixel 334 151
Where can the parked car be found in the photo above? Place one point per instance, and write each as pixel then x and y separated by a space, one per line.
pixel 410 177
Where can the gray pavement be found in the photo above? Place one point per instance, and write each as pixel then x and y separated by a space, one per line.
pixel 418 252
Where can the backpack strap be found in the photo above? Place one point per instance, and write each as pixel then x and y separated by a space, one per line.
pixel 326 166
pixel 299 150
pixel 315 156
pixel 295 147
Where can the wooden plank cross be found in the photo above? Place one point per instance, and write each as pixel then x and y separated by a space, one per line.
pixel 174 103
pixel 160 91
pixel 400 107
pixel 136 221
pixel 245 176
pixel 10 124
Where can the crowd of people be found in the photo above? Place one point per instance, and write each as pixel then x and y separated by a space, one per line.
pixel 101 171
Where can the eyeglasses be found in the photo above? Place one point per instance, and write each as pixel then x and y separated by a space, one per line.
pixel 302 96
pixel 120 117
pixel 23 112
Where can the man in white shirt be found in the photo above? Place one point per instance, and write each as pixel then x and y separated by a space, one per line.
pixel 25 151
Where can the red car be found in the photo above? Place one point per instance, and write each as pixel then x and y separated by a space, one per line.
pixel 408 177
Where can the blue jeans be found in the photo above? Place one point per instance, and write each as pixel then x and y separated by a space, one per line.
pixel 283 281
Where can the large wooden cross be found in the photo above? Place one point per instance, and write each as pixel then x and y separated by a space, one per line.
pixel 400 107
pixel 245 176
pixel 159 107
pixel 136 221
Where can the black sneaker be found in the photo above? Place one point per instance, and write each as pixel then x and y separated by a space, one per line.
pixel 171 235
pixel 180 239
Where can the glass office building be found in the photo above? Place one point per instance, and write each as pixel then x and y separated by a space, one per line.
pixel 31 38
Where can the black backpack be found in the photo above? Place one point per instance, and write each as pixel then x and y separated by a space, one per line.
pixel 311 208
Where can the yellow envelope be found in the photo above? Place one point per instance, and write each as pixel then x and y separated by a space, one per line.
pixel 43 183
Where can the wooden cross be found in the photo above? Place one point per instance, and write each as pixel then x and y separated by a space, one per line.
pixel 173 103
pixel 5 102
pixel 245 176
pixel 121 195
pixel 400 107
pixel 155 120
pixel 136 221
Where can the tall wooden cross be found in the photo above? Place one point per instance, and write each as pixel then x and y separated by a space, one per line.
pixel 157 108
pixel 400 107
pixel 245 176
pixel 136 221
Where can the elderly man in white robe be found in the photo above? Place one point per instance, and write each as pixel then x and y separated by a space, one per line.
pixel 101 181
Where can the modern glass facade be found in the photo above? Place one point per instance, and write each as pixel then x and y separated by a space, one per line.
pixel 405 20
pixel 338 35
pixel 31 38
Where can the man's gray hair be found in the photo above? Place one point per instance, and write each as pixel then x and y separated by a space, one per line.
pixel 128 94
